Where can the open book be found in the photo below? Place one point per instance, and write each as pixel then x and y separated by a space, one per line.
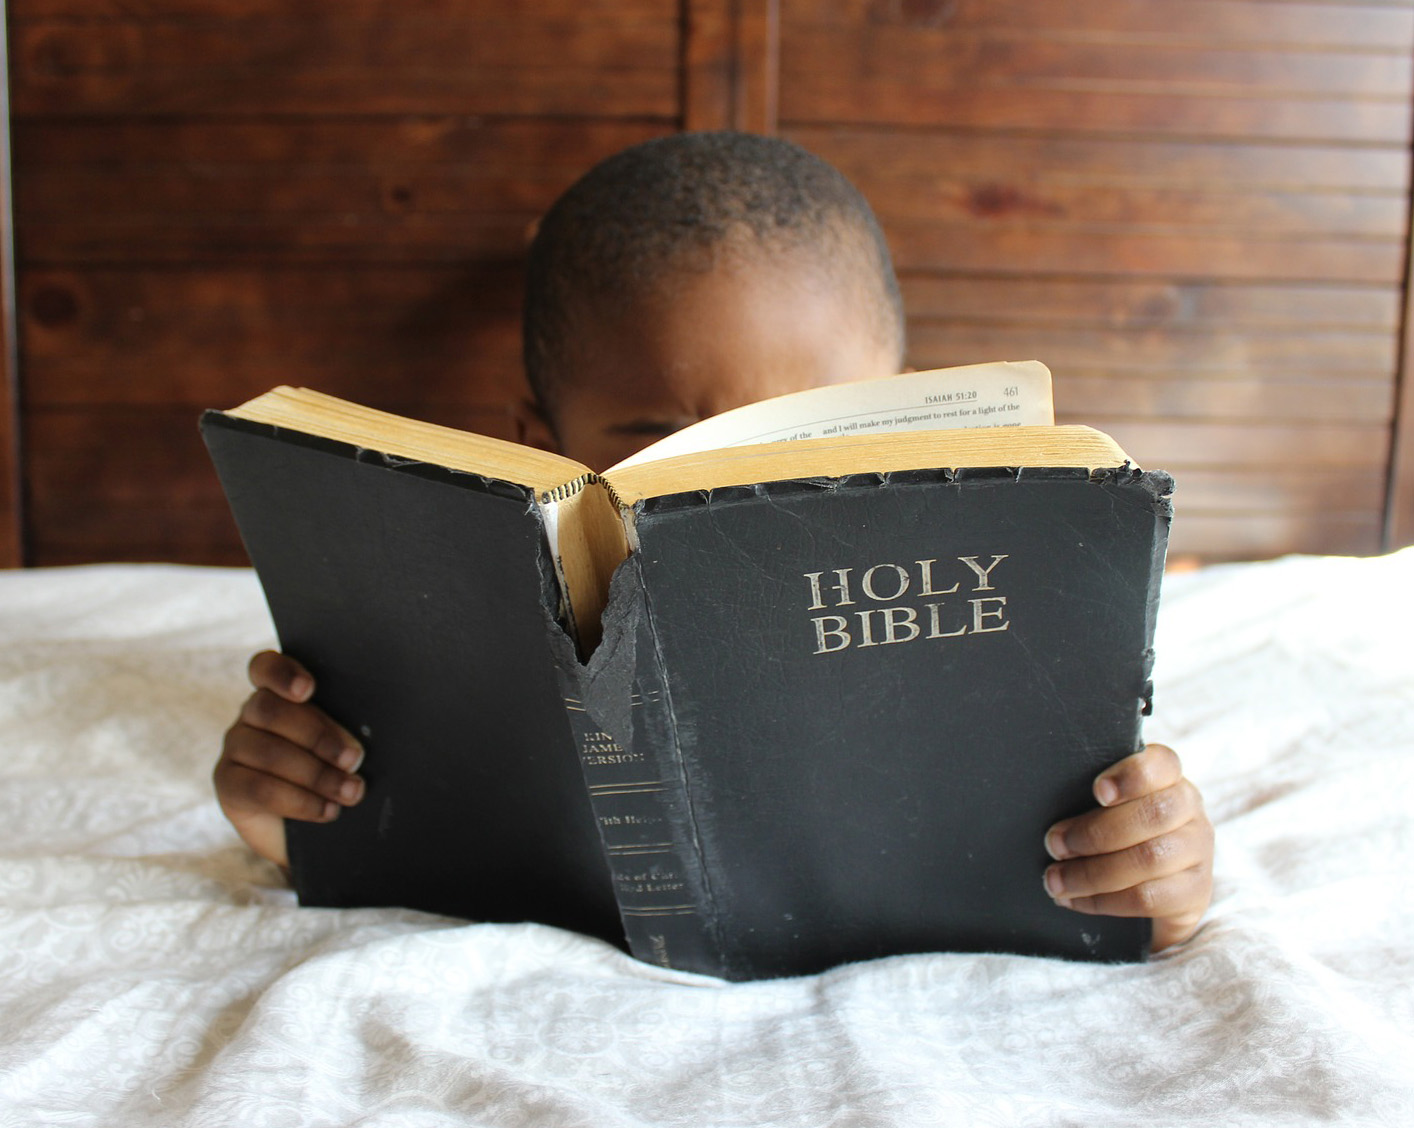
pixel 837 669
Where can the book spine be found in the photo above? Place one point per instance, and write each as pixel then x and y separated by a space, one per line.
pixel 624 728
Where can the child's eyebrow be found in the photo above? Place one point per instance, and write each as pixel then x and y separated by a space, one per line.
pixel 647 426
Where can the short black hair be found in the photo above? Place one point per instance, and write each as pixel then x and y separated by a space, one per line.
pixel 667 205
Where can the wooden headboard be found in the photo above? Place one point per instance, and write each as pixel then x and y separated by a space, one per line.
pixel 1197 214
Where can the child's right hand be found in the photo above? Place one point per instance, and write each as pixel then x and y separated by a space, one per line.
pixel 284 759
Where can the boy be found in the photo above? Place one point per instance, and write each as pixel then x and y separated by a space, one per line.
pixel 678 279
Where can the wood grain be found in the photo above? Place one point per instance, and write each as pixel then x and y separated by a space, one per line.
pixel 1257 536
pixel 1143 305
pixel 1235 24
pixel 1175 445
pixel 956 202
pixel 1224 68
pixel 313 58
pixel 12 517
pixel 1276 354
pixel 730 75
pixel 1196 213
pixel 437 190
pixel 1398 510
pixel 208 337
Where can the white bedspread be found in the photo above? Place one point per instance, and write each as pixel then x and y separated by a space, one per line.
pixel 153 973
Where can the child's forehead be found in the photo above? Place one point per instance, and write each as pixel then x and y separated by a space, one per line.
pixel 748 327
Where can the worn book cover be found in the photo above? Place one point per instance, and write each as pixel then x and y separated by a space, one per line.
pixel 855 705
pixel 840 695
pixel 421 599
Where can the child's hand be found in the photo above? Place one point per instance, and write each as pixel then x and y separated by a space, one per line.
pixel 284 759
pixel 1148 850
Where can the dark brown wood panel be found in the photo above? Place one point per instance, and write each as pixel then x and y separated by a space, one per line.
pixel 731 52
pixel 1226 68
pixel 1236 24
pixel 1399 507
pixel 1033 248
pixel 1031 206
pixel 1275 354
pixel 209 337
pixel 1145 304
pixel 1196 214
pixel 1399 482
pixel 215 196
pixel 1285 489
pixel 314 58
pixel 943 59
pixel 12 542
pixel 440 190
pixel 358 10
pixel 920 158
pixel 1095 201
pixel 1204 537
pixel 1139 112
pixel 1104 399
pixel 1176 445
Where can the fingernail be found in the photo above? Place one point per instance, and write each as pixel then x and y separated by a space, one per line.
pixel 301 686
pixel 350 759
pixel 351 791
pixel 331 811
pixel 1106 791
pixel 1055 885
pixel 1055 844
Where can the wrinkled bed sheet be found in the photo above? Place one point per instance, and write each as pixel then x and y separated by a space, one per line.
pixel 152 972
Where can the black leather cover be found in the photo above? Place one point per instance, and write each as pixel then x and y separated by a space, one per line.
pixel 417 597
pixel 787 774
pixel 870 800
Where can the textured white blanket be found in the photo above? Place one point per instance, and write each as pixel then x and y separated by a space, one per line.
pixel 153 973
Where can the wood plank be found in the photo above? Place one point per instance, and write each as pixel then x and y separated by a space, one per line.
pixel 1104 303
pixel 1204 537
pixel 1215 444
pixel 439 191
pixel 1029 249
pixel 1399 482
pixel 1249 168
pixel 1143 67
pixel 1245 354
pixel 432 190
pixel 212 338
pixel 815 97
pixel 1100 398
pixel 482 148
pixel 1245 218
pixel 945 58
pixel 12 515
pixel 731 56
pixel 353 10
pixel 136 484
pixel 923 158
pixel 1038 196
pixel 1378 28
pixel 1279 489
pixel 309 60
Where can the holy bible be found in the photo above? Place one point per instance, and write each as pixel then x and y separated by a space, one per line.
pixel 748 707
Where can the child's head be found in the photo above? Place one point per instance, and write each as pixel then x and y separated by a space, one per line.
pixel 696 273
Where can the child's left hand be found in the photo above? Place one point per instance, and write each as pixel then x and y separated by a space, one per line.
pixel 1148 850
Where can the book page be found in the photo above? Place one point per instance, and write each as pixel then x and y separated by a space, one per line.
pixel 1003 394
